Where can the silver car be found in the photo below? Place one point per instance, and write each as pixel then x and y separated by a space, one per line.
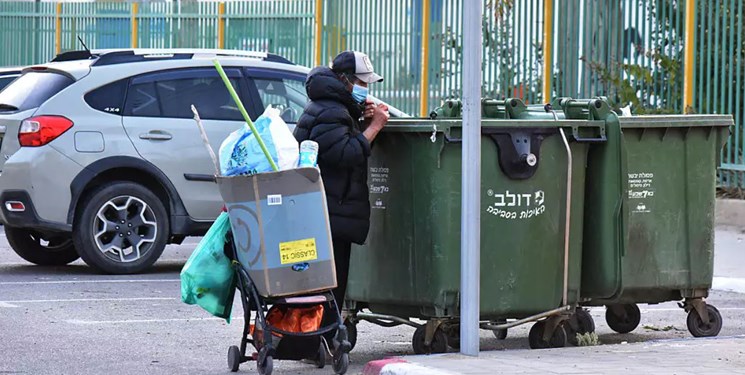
pixel 100 157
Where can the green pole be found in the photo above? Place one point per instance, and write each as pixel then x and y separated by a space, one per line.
pixel 241 108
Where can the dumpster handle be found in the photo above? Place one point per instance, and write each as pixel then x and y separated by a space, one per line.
pixel 567 219
pixel 380 319
pixel 601 139
pixel 492 327
pixel 568 215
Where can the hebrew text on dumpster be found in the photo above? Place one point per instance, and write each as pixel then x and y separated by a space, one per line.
pixel 516 205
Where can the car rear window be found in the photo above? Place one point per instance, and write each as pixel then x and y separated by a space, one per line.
pixel 109 98
pixel 6 80
pixel 31 90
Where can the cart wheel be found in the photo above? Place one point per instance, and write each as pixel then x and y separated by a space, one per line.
pixel 500 334
pixel 625 322
pixel 266 366
pixel 265 362
pixel 536 341
pixel 581 323
pixel 351 333
pixel 321 357
pixel 698 328
pixel 341 364
pixel 234 358
pixel 439 341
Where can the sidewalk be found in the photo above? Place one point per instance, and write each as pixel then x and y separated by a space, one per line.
pixel 724 355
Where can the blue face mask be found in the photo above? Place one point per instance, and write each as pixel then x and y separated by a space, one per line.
pixel 359 93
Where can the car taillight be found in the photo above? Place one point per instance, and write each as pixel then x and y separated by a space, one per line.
pixel 38 131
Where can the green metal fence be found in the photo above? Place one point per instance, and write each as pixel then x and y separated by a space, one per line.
pixel 719 75
pixel 631 51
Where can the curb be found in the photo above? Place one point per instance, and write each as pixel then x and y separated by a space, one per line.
pixel 398 366
pixel 730 212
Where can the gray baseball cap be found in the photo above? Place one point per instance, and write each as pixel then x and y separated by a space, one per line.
pixel 356 63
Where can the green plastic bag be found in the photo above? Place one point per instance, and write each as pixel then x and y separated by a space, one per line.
pixel 208 278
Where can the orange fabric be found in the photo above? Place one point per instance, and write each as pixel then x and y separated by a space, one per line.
pixel 296 320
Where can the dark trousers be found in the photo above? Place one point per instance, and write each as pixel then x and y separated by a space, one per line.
pixel 342 252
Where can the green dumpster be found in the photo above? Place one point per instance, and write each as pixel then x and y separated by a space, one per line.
pixel 531 227
pixel 649 222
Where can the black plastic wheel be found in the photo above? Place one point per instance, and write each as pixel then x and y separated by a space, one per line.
pixel 351 333
pixel 439 342
pixel 453 334
pixel 234 358
pixel 698 328
pixel 500 334
pixel 535 337
pixel 341 364
pixel 321 357
pixel 266 366
pixel 625 321
pixel 580 322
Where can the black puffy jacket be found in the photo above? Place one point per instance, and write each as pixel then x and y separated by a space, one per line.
pixel 331 118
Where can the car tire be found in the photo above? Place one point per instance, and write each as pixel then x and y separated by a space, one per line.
pixel 49 250
pixel 121 228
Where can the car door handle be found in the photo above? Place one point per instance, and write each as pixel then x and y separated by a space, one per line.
pixel 156 135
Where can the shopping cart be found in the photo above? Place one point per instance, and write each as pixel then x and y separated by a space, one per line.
pixel 280 244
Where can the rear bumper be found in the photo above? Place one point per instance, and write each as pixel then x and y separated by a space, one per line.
pixel 28 218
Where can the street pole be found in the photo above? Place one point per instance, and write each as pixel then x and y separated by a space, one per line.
pixel 470 244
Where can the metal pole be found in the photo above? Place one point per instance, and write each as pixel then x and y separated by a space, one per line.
pixel 470 245
pixel 424 78
pixel 688 48
pixel 319 32
pixel 548 48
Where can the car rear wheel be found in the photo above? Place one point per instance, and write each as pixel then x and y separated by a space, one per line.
pixel 44 250
pixel 122 228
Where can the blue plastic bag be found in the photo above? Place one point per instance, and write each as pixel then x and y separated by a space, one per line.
pixel 241 154
pixel 208 278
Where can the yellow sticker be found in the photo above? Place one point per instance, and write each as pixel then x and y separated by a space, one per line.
pixel 298 251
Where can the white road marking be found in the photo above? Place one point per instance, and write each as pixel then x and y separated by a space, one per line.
pixel 89 300
pixel 90 281
pixel 5 304
pixel 139 321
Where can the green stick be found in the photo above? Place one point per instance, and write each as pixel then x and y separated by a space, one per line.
pixel 241 108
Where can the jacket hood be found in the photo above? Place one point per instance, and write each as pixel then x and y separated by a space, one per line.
pixel 323 84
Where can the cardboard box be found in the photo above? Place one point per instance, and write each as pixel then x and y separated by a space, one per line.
pixel 281 229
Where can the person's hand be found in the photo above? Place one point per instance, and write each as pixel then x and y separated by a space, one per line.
pixel 380 116
pixel 369 109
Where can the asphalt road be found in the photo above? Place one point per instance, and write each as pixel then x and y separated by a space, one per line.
pixel 68 320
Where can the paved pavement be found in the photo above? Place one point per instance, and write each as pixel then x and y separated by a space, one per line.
pixel 718 356
pixel 68 320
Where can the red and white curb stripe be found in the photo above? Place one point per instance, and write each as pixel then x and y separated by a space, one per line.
pixel 398 366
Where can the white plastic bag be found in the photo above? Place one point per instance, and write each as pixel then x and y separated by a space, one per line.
pixel 240 152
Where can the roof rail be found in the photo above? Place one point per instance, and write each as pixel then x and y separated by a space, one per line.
pixel 120 56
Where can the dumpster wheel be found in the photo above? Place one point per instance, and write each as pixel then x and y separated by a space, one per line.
pixel 537 340
pixel 698 328
pixel 351 332
pixel 580 323
pixel 500 334
pixel 623 318
pixel 439 342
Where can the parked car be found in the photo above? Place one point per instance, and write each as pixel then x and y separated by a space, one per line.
pixel 101 158
pixel 7 75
